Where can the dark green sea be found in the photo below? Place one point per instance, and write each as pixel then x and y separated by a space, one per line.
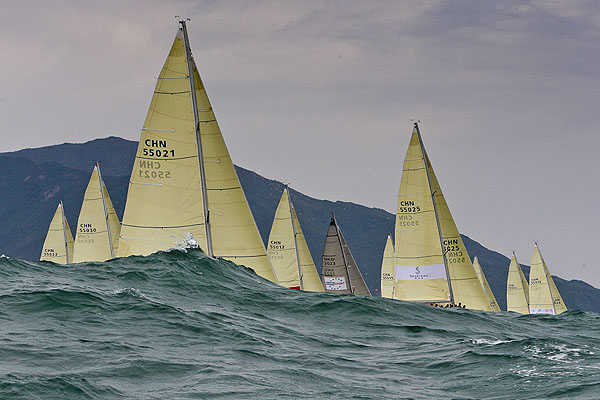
pixel 178 325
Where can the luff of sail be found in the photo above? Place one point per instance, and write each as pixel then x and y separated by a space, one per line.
pixel 58 245
pixel 98 227
pixel 165 201
pixel 544 297
pixel 489 295
pixel 517 288
pixel 387 269
pixel 339 270
pixel 288 251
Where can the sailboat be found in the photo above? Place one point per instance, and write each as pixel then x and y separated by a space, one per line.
pixel 544 297
pixel 517 289
pixel 489 295
pixel 431 261
pixel 183 184
pixel 58 246
pixel 288 251
pixel 339 271
pixel 98 227
pixel 387 269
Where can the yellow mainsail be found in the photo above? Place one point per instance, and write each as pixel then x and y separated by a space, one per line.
pixel 181 161
pixel 517 289
pixel 98 227
pixel 486 287
pixel 58 245
pixel 288 251
pixel 544 297
pixel 387 269
pixel 432 264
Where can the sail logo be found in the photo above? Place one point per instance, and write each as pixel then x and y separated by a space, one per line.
pixel 335 283
pixel 420 273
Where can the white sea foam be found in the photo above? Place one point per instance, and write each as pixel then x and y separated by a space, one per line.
pixel 187 242
pixel 489 342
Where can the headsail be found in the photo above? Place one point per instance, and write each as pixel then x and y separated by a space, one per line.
pixel 98 227
pixel 463 281
pixel 517 289
pixel 489 295
pixel 387 269
pixel 544 297
pixel 339 271
pixel 58 245
pixel 288 251
pixel 168 199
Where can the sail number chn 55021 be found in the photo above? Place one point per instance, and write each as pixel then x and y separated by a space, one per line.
pixel 157 148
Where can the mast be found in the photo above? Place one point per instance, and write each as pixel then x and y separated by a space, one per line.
pixel 295 240
pixel 339 235
pixel 190 65
pixel 62 213
pixel 437 219
pixel 105 211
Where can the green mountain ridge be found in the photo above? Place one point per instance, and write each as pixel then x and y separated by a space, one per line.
pixel 33 181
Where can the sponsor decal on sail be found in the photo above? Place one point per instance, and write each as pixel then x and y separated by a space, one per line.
pixel 335 283
pixel 541 311
pixel 420 273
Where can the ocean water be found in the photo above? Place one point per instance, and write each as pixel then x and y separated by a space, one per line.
pixel 178 325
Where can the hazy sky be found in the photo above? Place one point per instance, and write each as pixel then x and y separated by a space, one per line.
pixel 320 94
